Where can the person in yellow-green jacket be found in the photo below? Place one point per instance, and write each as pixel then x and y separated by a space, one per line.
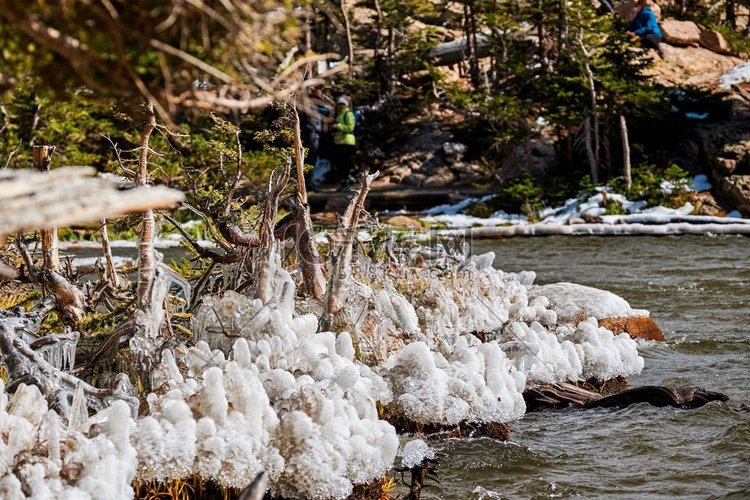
pixel 344 144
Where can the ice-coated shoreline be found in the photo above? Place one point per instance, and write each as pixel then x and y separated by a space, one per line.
pixel 262 389
pixel 586 216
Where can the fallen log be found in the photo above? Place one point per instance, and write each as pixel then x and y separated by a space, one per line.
pixel 71 195
pixel 677 229
pixel 561 395
pixel 455 51
pixel 682 397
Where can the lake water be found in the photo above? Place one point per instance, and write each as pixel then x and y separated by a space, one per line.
pixel 698 291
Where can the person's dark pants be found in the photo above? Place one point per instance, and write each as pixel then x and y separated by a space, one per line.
pixel 650 41
pixel 343 164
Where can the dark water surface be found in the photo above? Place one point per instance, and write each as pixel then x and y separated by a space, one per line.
pixel 698 291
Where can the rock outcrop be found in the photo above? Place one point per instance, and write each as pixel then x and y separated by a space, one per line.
pixel 691 66
pixel 638 327
pixel 680 33
pixel 736 188
pixel 724 152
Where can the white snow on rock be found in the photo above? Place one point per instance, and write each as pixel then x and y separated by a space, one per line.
pixel 736 75
pixel 574 302
pixel 574 209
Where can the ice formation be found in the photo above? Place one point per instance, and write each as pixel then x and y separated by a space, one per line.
pixel 42 456
pixel 415 452
pixel 61 354
pixel 572 301
pixel 445 341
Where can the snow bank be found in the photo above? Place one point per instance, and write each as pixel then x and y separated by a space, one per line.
pixel 574 209
pixel 738 74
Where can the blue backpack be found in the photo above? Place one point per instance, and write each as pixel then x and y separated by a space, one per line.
pixel 357 122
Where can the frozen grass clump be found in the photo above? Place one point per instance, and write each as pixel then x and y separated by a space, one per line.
pixel 216 422
pixel 471 383
pixel 603 355
pixel 45 456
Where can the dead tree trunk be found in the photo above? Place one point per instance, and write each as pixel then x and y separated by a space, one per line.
pixel 146 255
pixel 593 120
pixel 590 149
pixel 276 185
pixel 470 30
pixel 50 251
pixel 307 249
pixel 625 151
pixel 109 267
pixel 731 14
pixel 349 44
pixel 341 252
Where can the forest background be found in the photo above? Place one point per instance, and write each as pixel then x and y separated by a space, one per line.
pixel 76 74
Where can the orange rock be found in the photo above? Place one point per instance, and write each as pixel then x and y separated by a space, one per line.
pixel 638 327
pixel 714 41
pixel 403 221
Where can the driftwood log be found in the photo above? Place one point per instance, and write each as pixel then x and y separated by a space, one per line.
pixel 629 229
pixel 38 200
pixel 70 195
pixel 562 395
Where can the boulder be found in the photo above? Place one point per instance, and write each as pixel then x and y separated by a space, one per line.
pixel 415 179
pixel 680 33
pixel 468 172
pixel 403 221
pixel 638 327
pixel 574 303
pixel 454 152
pixel 714 41
pixel 628 9
pixel 398 173
pixel 691 66
pixel 706 204
pixel 736 189
pixel 443 177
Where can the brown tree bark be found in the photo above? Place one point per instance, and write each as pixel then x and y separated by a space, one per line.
pixel 146 255
pixel 109 266
pixel 307 249
pixel 625 151
pixel 50 250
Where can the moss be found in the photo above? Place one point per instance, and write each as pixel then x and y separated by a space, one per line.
pixel 613 207
pixel 479 210
pixel 51 324
pixel 98 325
pixel 16 294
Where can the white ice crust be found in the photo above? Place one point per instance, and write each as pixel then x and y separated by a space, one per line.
pixel 571 301
pixel 262 389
